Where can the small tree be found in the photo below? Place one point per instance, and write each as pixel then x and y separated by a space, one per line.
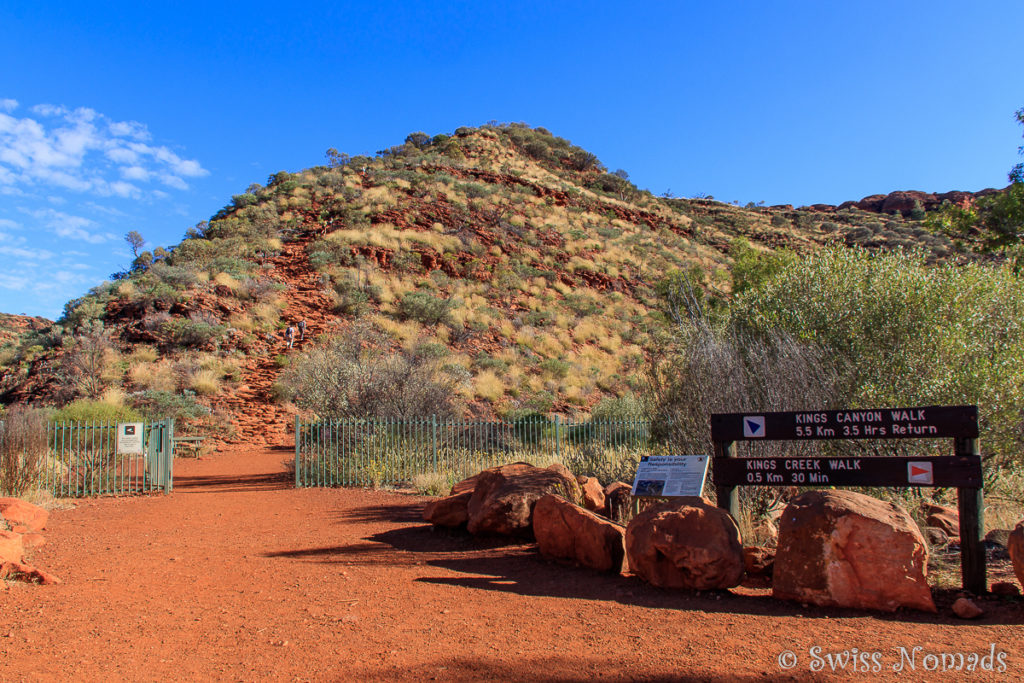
pixel 135 241
pixel 419 139
pixel 88 359
pixel 1016 174
pixel 336 159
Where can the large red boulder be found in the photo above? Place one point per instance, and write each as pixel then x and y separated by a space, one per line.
pixel 503 500
pixel 467 484
pixel 942 517
pixel 1015 545
pixel 12 548
pixel 22 516
pixel 567 531
pixel 685 544
pixel 452 511
pixel 618 497
pixel 846 549
pixel 593 493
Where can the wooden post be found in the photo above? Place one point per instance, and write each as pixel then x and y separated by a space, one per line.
pixel 728 496
pixel 971 504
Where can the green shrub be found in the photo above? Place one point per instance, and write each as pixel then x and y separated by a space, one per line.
pixel 908 333
pixel 352 297
pixel 159 405
pixel 188 332
pixel 425 308
pixel 626 407
pixel 539 318
pixel 554 367
pixel 490 363
pixel 241 201
pixel 85 410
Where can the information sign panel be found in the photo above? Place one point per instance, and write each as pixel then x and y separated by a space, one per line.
pixel 670 476
pixel 129 438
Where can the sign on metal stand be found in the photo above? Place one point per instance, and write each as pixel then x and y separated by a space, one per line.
pixel 962 470
pixel 669 476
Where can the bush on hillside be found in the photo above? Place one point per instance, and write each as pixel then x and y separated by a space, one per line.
pixel 191 332
pixel 358 376
pixel 159 405
pixel 906 333
pixel 89 411
pixel 425 308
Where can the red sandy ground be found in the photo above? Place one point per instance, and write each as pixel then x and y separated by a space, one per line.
pixel 239 576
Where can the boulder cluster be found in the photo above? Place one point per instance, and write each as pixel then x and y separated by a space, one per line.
pixel 834 548
pixel 20 526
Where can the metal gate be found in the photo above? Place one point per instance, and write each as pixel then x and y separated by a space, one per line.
pixel 83 460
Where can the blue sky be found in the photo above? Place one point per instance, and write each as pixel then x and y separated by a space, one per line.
pixel 149 116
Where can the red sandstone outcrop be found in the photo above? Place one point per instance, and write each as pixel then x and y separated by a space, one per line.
pixel 567 531
pixel 689 544
pixel 845 549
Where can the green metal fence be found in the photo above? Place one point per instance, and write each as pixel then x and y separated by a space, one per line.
pixel 82 459
pixel 395 452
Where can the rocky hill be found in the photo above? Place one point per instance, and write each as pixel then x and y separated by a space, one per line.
pixel 14 327
pixel 513 257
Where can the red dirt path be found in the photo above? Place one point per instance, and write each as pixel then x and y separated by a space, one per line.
pixel 239 576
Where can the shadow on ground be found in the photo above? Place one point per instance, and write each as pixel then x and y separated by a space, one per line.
pixel 228 483
pixel 514 566
pixel 545 669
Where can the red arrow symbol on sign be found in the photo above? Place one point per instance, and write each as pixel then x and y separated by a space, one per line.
pixel 916 471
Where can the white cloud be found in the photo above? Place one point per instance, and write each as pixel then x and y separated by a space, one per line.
pixel 30 254
pixel 123 189
pixel 109 211
pixel 135 173
pixel 8 224
pixel 129 129
pixel 173 181
pixel 8 105
pixel 49 110
pixel 122 155
pixel 81 149
pixel 71 227
pixel 16 282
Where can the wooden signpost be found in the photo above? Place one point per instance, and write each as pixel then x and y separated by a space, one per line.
pixel 962 470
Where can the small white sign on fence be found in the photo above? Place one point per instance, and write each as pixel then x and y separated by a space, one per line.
pixel 668 476
pixel 129 438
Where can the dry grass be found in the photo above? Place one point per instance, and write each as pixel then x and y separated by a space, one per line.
pixel 205 382
pixel 590 329
pixel 488 385
pixel 405 332
pixel 113 396
pixel 143 354
pixel 266 315
pixel 241 321
pixel 158 376
pixel 226 280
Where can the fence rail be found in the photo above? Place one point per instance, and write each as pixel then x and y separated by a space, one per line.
pixel 395 452
pixel 82 459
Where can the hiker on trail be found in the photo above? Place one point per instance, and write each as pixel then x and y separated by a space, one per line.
pixel 289 335
pixel 302 330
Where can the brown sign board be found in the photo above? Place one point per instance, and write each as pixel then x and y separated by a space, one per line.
pixel 926 422
pixel 951 471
